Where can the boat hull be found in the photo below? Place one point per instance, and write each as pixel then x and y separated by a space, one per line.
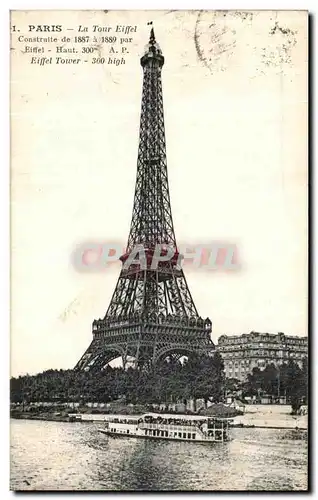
pixel 160 438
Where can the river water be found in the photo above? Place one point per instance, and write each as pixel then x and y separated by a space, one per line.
pixel 75 456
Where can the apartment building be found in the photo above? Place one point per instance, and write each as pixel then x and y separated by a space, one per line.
pixel 241 353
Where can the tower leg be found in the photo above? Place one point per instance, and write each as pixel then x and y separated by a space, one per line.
pixel 137 352
pixel 124 360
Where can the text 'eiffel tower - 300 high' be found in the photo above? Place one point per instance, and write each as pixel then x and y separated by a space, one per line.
pixel 151 315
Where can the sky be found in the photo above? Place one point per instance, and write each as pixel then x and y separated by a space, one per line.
pixel 235 103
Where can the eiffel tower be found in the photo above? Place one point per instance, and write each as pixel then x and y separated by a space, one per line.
pixel 151 315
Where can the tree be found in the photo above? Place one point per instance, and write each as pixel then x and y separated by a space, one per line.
pixel 205 377
pixel 270 380
pixel 232 385
pixel 254 382
pixel 304 380
pixel 294 386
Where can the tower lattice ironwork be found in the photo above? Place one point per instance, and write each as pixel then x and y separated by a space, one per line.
pixel 151 315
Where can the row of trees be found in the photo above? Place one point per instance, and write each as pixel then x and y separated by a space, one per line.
pixel 197 377
pixel 200 377
pixel 286 380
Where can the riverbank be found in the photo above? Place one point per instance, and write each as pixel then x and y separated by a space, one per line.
pixel 255 416
pixel 271 417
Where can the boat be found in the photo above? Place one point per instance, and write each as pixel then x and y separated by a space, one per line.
pixel 199 429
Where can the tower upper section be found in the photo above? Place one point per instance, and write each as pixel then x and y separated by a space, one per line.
pixel 153 55
pixel 152 219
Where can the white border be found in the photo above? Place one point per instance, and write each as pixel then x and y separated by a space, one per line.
pixel 162 5
pixel 4 172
